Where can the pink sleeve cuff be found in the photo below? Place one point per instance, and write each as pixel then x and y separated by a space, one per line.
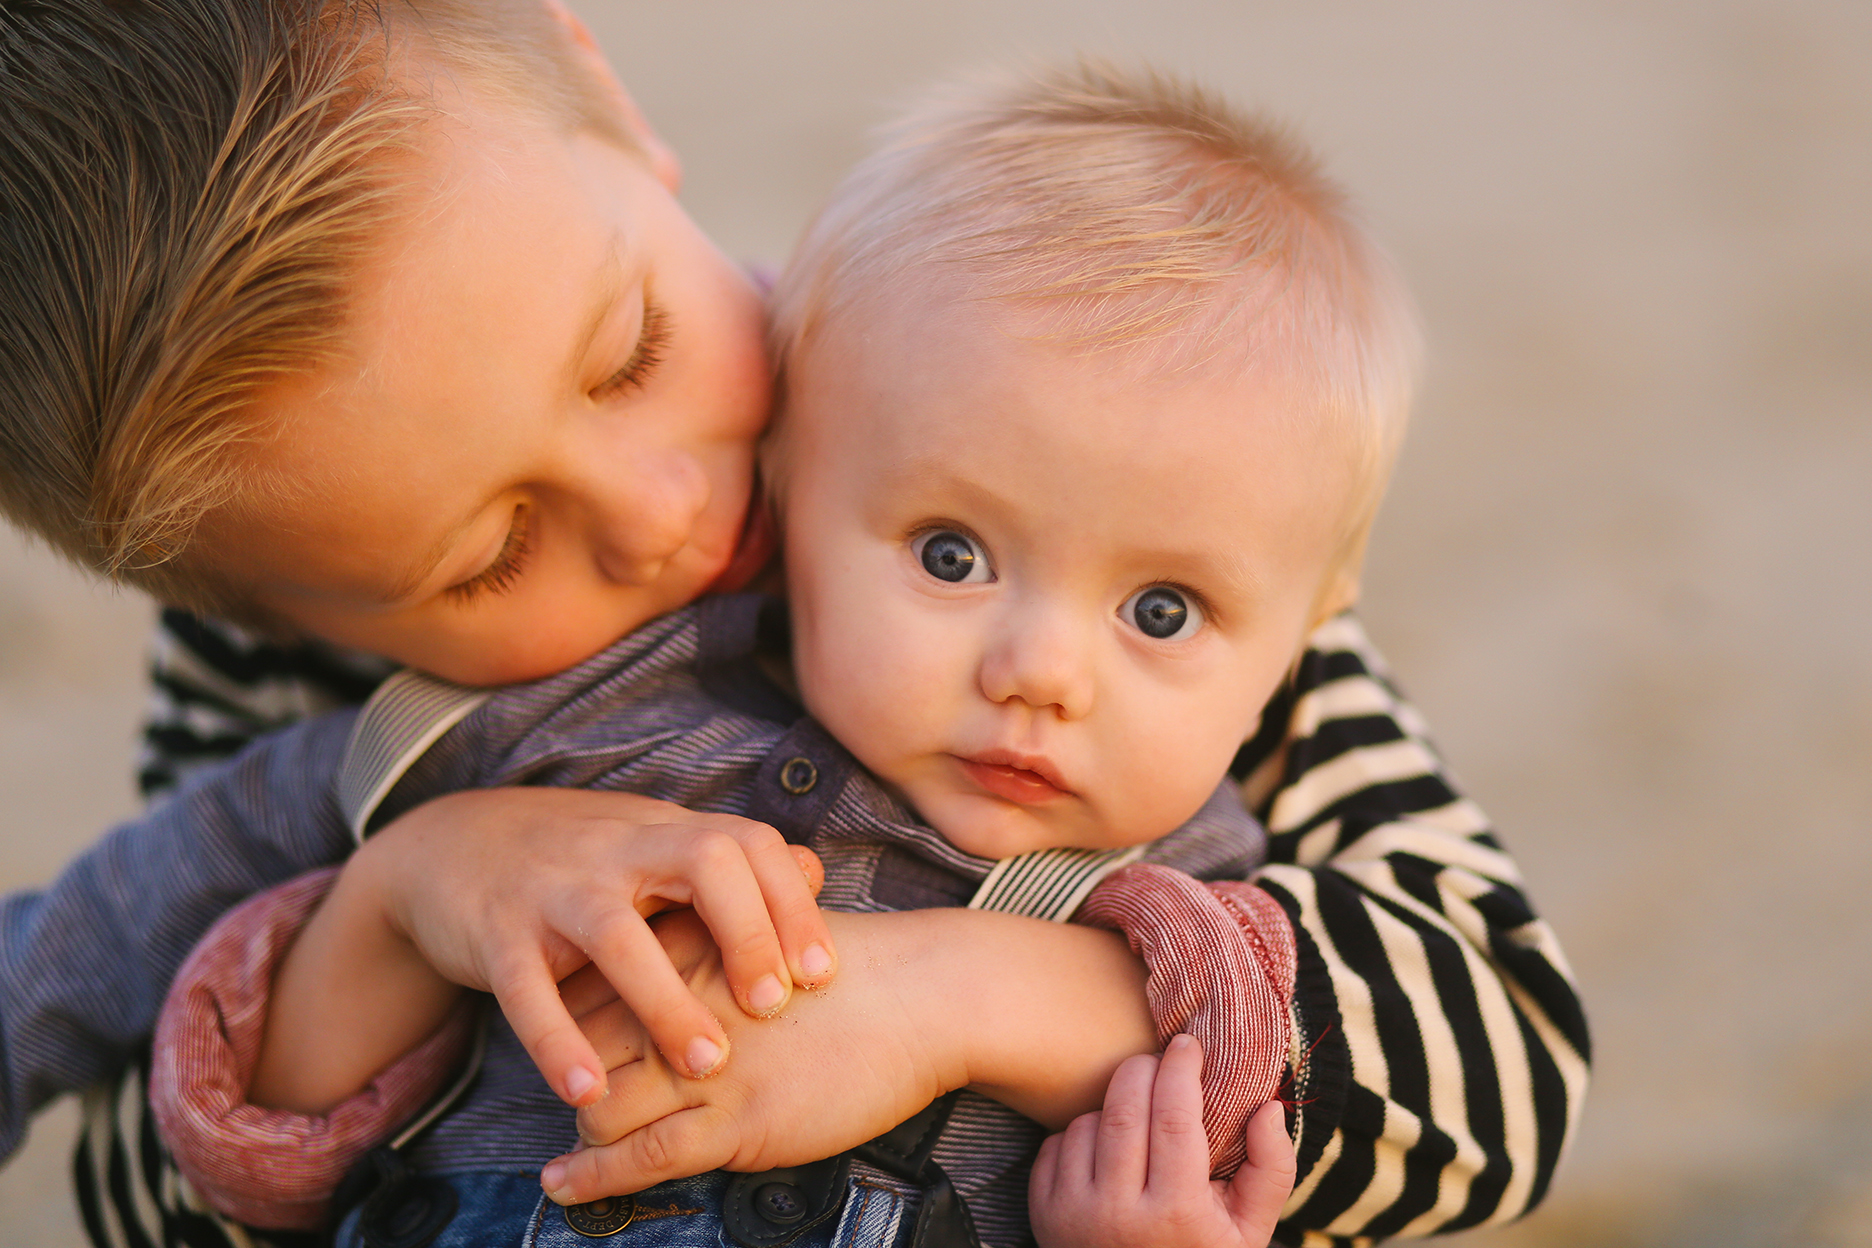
pixel 1222 962
pixel 266 1167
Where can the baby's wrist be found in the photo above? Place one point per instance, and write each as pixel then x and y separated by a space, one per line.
pixel 1035 1014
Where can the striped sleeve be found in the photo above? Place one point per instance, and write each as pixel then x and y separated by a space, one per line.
pixel 215 687
pixel 1444 1050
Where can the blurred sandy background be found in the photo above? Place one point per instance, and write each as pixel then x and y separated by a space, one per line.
pixel 1624 567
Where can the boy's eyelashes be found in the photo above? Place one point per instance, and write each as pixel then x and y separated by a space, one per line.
pixel 499 576
pixel 652 345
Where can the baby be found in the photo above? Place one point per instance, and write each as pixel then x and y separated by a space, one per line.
pixel 1090 392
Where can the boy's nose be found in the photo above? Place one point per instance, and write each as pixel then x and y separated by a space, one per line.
pixel 651 516
pixel 1042 658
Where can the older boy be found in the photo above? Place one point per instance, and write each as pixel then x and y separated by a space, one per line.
pixel 321 547
pixel 1092 391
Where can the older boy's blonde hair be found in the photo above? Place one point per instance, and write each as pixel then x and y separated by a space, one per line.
pixel 1127 211
pixel 188 188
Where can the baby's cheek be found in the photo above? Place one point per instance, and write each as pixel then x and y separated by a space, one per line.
pixel 1160 784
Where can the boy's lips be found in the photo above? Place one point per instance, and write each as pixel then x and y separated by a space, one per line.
pixel 752 552
pixel 1025 779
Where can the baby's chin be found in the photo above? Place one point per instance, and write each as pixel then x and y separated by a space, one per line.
pixel 994 828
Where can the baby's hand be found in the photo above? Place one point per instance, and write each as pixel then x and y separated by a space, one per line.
pixel 511 890
pixel 1136 1175
pixel 774 1103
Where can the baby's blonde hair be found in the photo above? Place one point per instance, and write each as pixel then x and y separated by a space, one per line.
pixel 1134 212
pixel 190 187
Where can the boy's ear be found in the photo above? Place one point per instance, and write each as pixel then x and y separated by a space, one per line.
pixel 663 161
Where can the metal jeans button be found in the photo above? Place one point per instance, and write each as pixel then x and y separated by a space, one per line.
pixel 598 1219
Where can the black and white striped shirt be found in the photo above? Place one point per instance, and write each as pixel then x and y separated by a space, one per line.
pixel 1448 1049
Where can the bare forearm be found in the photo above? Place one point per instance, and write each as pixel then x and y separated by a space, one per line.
pixel 1042 1012
pixel 350 997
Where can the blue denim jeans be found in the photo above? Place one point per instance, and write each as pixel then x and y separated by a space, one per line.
pixel 502 1209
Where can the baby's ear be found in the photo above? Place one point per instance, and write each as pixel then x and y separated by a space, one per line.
pixel 1339 594
pixel 663 161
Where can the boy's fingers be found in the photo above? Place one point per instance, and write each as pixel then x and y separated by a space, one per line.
pixel 540 1020
pixel 1123 1147
pixel 1259 1190
pixel 790 878
pixel 629 954
pixel 1179 1146
pixel 810 867
pixel 734 903
pixel 690 1141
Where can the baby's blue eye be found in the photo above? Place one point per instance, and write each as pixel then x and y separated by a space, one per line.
pixel 952 557
pixel 1163 614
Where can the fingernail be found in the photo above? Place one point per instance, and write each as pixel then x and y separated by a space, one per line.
pixel 578 1083
pixel 1182 1040
pixel 767 994
pixel 815 961
pixel 553 1178
pixel 703 1056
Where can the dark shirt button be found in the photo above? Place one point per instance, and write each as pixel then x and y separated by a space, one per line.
pixel 599 1219
pixel 780 1203
pixel 798 775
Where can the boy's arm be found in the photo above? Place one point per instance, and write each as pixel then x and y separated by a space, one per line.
pixel 215 688
pixel 85 962
pixel 1440 1048
pixel 273 1168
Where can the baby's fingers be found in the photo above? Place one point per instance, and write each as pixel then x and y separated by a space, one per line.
pixel 1260 1188
pixel 1179 1146
pixel 1124 1134
pixel 690 1141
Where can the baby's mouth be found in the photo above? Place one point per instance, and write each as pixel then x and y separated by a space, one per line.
pixel 1006 778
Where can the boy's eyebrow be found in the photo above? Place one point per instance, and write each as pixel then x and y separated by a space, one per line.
pixel 610 284
pixel 425 565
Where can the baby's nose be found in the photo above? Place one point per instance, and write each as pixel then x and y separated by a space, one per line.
pixel 1041 658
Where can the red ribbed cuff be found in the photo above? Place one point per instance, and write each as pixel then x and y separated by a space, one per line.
pixel 267 1167
pixel 1222 962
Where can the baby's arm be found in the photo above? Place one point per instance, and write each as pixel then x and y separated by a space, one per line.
pixel 1136 1174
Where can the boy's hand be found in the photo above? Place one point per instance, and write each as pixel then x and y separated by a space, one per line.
pixel 511 890
pixel 769 1106
pixel 1136 1175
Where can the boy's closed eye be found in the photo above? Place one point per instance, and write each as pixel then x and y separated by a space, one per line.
pixel 510 562
pixel 652 345
pixel 499 576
